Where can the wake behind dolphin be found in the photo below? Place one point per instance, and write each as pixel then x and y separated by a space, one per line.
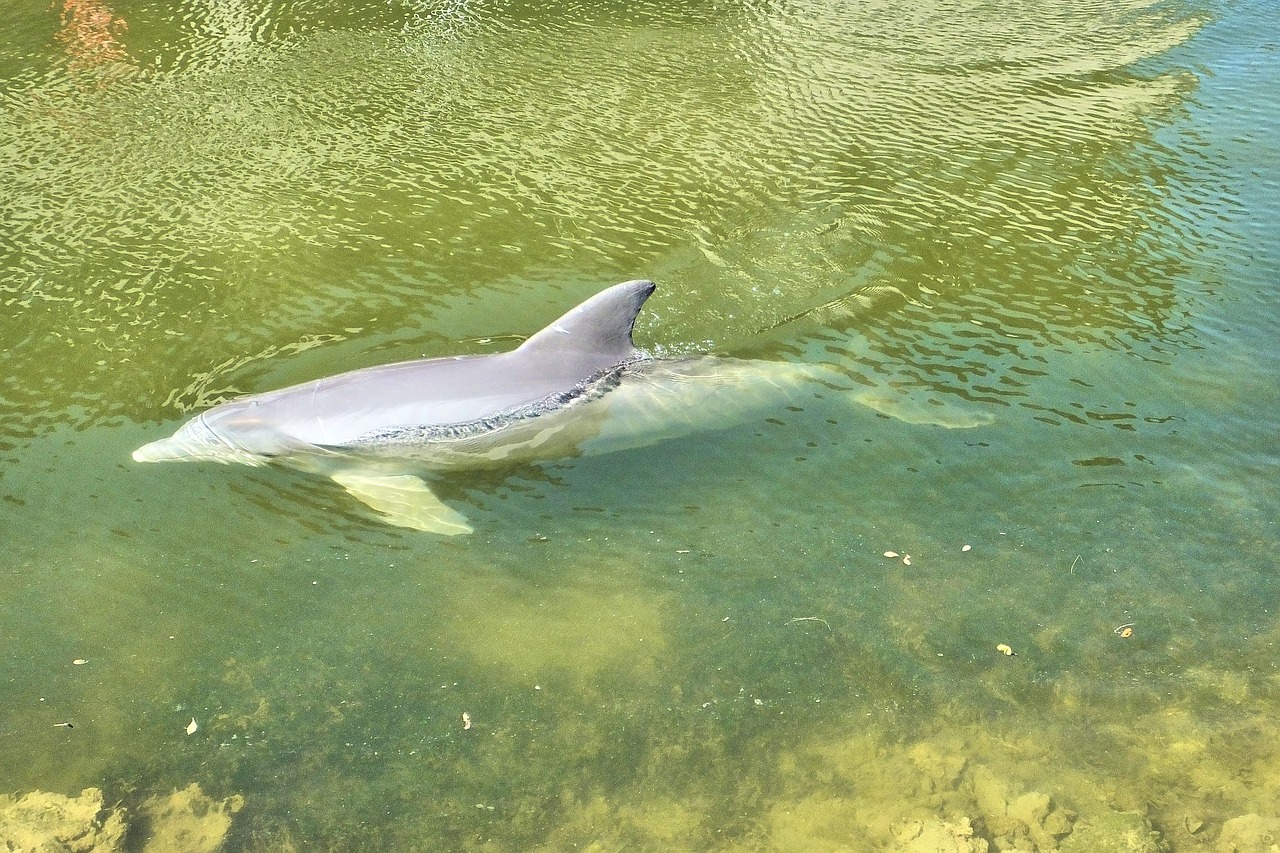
pixel 579 386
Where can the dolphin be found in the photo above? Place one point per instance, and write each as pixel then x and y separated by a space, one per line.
pixel 577 387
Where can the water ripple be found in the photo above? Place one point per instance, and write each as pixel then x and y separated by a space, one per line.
pixel 272 167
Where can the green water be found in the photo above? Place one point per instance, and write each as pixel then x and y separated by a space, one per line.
pixel 1060 216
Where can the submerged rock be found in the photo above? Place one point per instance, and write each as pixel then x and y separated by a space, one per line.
pixel 41 822
pixel 1113 832
pixel 187 821
pixel 1250 833
pixel 938 836
pixel 1027 821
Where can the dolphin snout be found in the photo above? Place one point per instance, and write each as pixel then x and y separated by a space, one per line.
pixel 159 451
pixel 195 440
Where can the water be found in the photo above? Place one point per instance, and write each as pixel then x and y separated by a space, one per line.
pixel 1063 220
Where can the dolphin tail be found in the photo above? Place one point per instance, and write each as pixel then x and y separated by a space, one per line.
pixel 405 501
pixel 913 410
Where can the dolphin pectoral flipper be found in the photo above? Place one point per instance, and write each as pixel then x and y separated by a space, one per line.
pixel 405 501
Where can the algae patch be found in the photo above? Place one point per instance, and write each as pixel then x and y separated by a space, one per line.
pixel 584 627
pixel 43 822
pixel 186 821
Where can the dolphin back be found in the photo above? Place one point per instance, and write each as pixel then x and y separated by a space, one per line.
pixel 429 395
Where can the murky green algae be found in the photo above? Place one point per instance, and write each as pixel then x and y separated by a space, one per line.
pixel 1053 222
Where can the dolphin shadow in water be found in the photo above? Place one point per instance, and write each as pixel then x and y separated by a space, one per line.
pixel 577 387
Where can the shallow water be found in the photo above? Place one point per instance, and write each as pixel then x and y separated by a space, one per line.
pixel 1051 228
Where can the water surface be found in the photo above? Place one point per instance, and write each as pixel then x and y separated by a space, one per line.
pixel 1057 224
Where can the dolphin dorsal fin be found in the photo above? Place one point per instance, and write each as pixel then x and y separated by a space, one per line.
pixel 599 328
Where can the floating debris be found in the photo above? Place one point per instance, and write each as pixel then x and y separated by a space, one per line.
pixel 63 726
pixel 906 559
pixel 466 721
pixel 192 726
pixel 892 554
pixel 1125 630
pixel 1005 649
pixel 80 661
pixel 809 619
pixel 967 548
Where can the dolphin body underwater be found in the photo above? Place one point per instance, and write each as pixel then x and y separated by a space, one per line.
pixel 577 387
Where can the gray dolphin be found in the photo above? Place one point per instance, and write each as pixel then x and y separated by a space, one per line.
pixel 577 387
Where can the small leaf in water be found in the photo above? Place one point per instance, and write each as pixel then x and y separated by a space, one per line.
pixel 906 559
pixel 1005 649
pixel 192 726
pixel 967 548
pixel 80 661
pixel 891 554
